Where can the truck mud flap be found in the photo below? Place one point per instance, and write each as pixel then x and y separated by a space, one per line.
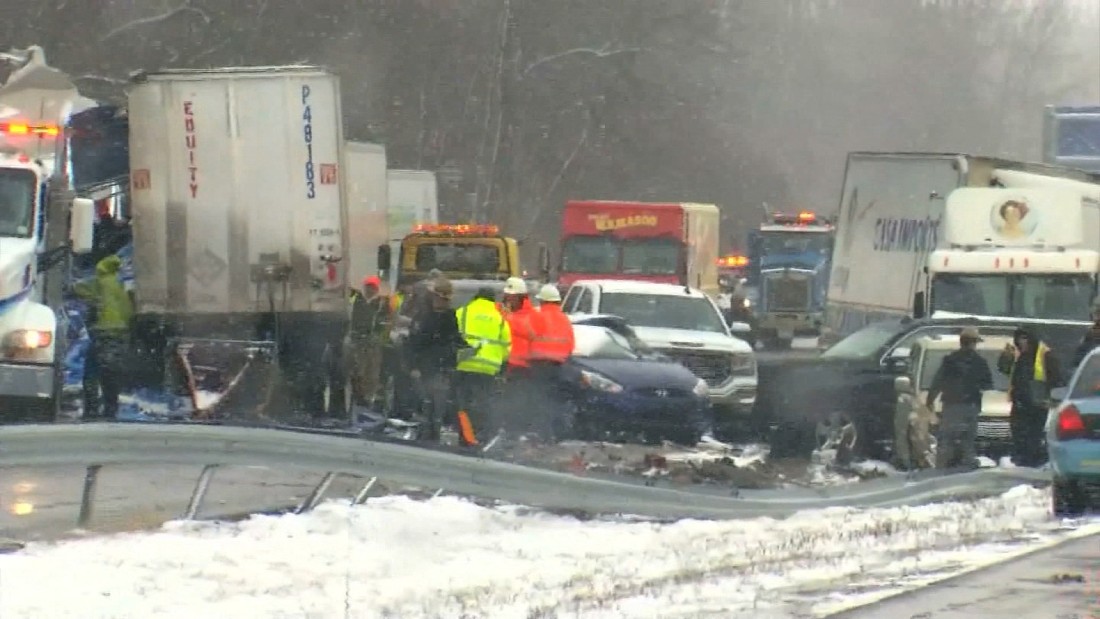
pixel 231 380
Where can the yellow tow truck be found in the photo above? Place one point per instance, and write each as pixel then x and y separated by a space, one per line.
pixel 470 255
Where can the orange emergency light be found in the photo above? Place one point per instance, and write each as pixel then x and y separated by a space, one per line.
pixel 733 261
pixel 20 128
pixel 458 229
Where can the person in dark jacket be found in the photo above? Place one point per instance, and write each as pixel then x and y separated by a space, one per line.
pixel 1033 373
pixel 960 381
pixel 433 345
pixel 1092 336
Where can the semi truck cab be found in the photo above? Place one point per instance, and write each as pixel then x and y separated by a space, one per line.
pixel 789 267
pixel 1034 265
pixel 40 224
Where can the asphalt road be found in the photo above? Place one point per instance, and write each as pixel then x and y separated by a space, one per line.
pixel 1062 582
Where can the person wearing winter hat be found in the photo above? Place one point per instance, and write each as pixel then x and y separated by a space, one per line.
pixel 1033 372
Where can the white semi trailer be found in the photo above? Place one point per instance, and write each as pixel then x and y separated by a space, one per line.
pixel 240 227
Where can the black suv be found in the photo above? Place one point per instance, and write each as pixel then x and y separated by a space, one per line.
pixel 849 389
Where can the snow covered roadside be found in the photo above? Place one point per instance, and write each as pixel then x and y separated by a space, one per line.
pixel 445 557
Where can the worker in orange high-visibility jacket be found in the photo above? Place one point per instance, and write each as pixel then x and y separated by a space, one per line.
pixel 550 348
pixel 519 398
pixel 554 340
pixel 523 321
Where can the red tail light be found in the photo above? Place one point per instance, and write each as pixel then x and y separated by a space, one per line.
pixel 1070 424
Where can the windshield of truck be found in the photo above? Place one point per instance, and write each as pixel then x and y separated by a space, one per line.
pixel 663 311
pixel 660 256
pixel 866 342
pixel 933 359
pixel 590 254
pixel 779 243
pixel 17 192
pixel 458 257
pixel 1043 296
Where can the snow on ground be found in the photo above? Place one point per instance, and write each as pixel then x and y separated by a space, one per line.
pixel 446 557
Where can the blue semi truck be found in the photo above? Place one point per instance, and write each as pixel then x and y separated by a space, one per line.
pixel 789 265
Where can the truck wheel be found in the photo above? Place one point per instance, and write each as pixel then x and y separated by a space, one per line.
pixel 781 343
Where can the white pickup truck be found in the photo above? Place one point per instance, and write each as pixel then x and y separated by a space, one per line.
pixel 682 323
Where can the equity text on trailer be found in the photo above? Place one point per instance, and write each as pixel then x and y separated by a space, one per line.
pixel 240 225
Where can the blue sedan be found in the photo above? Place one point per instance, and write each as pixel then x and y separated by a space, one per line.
pixel 620 387
pixel 1073 441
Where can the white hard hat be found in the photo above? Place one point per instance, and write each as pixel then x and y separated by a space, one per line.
pixel 550 294
pixel 515 285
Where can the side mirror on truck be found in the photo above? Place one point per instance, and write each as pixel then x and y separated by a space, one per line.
pixel 918 304
pixel 82 225
pixel 384 258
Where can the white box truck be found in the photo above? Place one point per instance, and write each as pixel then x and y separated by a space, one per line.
pixel 413 199
pixel 891 221
pixel 240 221
pixel 368 205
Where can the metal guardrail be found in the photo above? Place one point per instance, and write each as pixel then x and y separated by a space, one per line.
pixel 97 445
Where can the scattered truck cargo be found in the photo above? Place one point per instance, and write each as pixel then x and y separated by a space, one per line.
pixel 239 222
pixel 675 243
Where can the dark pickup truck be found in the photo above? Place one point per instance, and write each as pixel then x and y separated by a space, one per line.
pixel 849 388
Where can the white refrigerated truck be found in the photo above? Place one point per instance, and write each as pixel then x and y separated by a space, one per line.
pixel 240 224
pixel 413 199
pixel 368 205
pixel 891 221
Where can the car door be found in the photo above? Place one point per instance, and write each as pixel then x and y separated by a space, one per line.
pixel 874 395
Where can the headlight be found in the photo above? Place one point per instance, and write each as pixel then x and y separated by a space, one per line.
pixel 600 382
pixel 701 389
pixel 746 303
pixel 743 364
pixel 28 339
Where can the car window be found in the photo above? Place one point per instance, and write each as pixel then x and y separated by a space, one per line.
pixel 584 303
pixel 571 299
pixel 933 359
pixel 1087 384
pixel 910 339
pixel 865 343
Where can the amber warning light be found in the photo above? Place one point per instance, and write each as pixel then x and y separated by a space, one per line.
pixel 458 229
pixel 733 261
pixel 25 129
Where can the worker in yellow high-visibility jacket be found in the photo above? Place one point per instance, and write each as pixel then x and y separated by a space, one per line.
pixel 490 339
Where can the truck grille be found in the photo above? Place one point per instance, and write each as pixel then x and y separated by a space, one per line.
pixel 786 293
pixel 713 368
